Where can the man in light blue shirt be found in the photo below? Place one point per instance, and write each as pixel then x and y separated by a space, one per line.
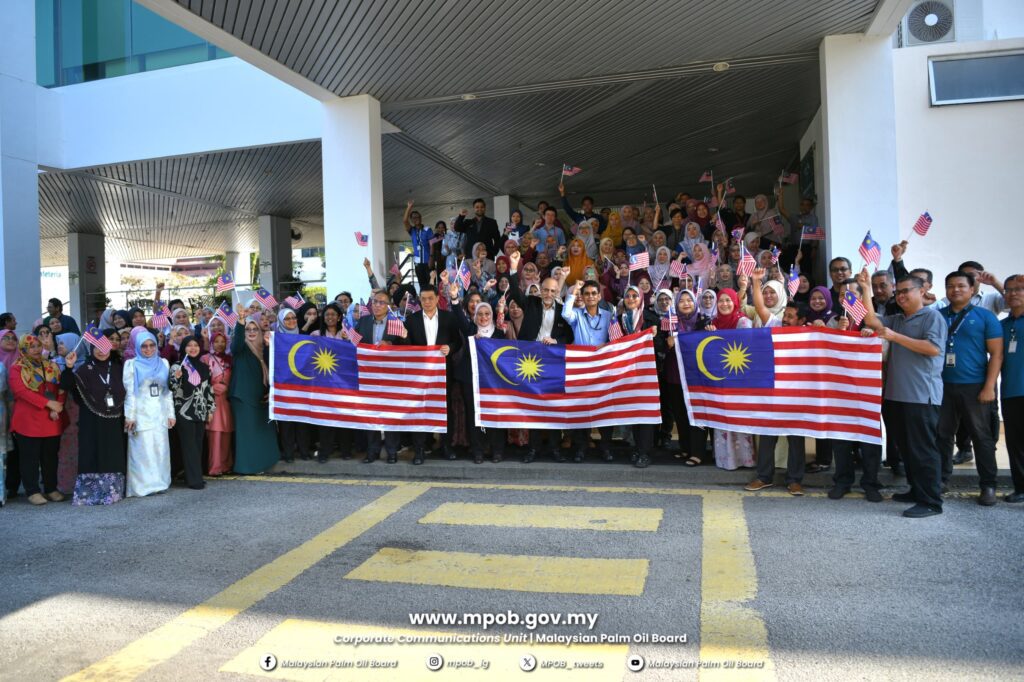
pixel 590 328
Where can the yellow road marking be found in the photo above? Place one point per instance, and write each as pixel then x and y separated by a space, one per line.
pixel 520 573
pixel 171 638
pixel 310 641
pixel 546 516
pixel 529 487
pixel 730 632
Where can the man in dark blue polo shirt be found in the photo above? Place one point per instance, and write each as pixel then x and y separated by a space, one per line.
pixel 1013 383
pixel 972 359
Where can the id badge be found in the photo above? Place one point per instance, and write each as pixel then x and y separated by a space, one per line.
pixel 109 400
pixel 1012 348
pixel 950 359
pixel 154 391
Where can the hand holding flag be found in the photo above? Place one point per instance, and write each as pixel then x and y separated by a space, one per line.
pixel 225 313
pixel 854 307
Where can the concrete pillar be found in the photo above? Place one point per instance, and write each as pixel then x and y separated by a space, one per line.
pixel 20 291
pixel 501 209
pixel 275 253
pixel 237 263
pixel 353 193
pixel 86 277
pixel 858 118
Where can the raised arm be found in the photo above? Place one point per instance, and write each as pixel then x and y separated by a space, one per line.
pixel 759 306
pixel 405 216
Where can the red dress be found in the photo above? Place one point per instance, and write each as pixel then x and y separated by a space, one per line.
pixel 220 428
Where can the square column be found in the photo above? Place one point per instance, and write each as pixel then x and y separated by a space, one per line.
pixel 353 194
pixel 275 253
pixel 86 277
pixel 20 291
pixel 502 207
pixel 858 116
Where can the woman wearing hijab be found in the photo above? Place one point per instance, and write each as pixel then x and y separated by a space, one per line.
pixel 149 416
pixel 220 428
pixel 294 435
pixel 333 439
pixel 107 319
pixel 577 261
pixel 613 230
pixel 819 307
pixel 67 454
pixel 136 317
pixel 309 319
pixel 636 317
pixel 121 320
pixel 773 296
pixel 482 325
pixel 171 350
pixel 256 440
pixel 692 237
pixel 692 439
pixel 724 277
pixel 732 450
pixel 194 406
pixel 585 232
pixel 659 269
pixel 702 216
pixel 97 386
pixel 38 419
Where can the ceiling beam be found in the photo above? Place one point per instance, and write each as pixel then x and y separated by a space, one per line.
pixel 886 17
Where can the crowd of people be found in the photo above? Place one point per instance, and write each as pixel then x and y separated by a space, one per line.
pixel 191 398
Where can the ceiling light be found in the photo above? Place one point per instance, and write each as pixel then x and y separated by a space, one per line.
pixel 719 67
pixel 712 149
pixel 468 97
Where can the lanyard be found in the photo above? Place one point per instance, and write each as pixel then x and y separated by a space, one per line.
pixel 954 324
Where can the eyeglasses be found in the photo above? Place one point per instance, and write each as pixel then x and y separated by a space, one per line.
pixel 379 302
pixel 632 295
pixel 841 268
pixel 1013 290
pixel 904 292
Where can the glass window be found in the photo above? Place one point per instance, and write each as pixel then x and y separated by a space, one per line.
pixel 84 40
pixel 991 77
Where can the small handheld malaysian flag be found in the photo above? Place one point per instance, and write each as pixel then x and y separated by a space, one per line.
pixel 923 223
pixel 869 250
pixel 812 233
pixel 193 374
pixel 676 269
pixel 465 275
pixel 353 336
pixel 224 283
pixel 295 301
pixel 615 330
pixel 363 308
pixel 570 170
pixel 362 239
pixel 669 322
pixel 160 316
pixel 699 288
pixel 729 187
pixel 793 283
pixel 854 307
pixel 707 176
pixel 775 254
pixel 95 338
pixel 789 178
pixel 265 298
pixel 737 234
pixel 747 264
pixel 225 313
pixel 639 261
pixel 395 326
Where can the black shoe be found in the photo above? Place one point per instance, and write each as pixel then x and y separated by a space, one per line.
pixel 478 458
pixel 837 493
pixel 608 456
pixel 497 457
pixel 815 468
pixel 963 456
pixel 393 458
pixel 198 486
pixel 921 511
pixel 451 456
pixel 418 457
pixel 987 497
pixel 634 457
pixel 578 457
pixel 642 461
pixel 530 455
pixel 369 459
pixel 904 497
pixel 1014 498
pixel 872 495
pixel 559 457
pixel 321 459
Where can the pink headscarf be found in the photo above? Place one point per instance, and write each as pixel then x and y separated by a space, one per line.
pixel 8 357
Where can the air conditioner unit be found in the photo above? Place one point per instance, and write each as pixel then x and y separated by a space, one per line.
pixel 930 21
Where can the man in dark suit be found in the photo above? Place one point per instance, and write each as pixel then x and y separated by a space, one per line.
pixel 542 321
pixel 479 228
pixel 433 327
pixel 373 329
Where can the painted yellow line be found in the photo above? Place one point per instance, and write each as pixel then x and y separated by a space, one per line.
pixel 308 651
pixel 546 516
pixel 732 634
pixel 631 490
pixel 520 573
pixel 168 640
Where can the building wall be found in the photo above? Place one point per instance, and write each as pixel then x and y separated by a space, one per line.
pixel 959 162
